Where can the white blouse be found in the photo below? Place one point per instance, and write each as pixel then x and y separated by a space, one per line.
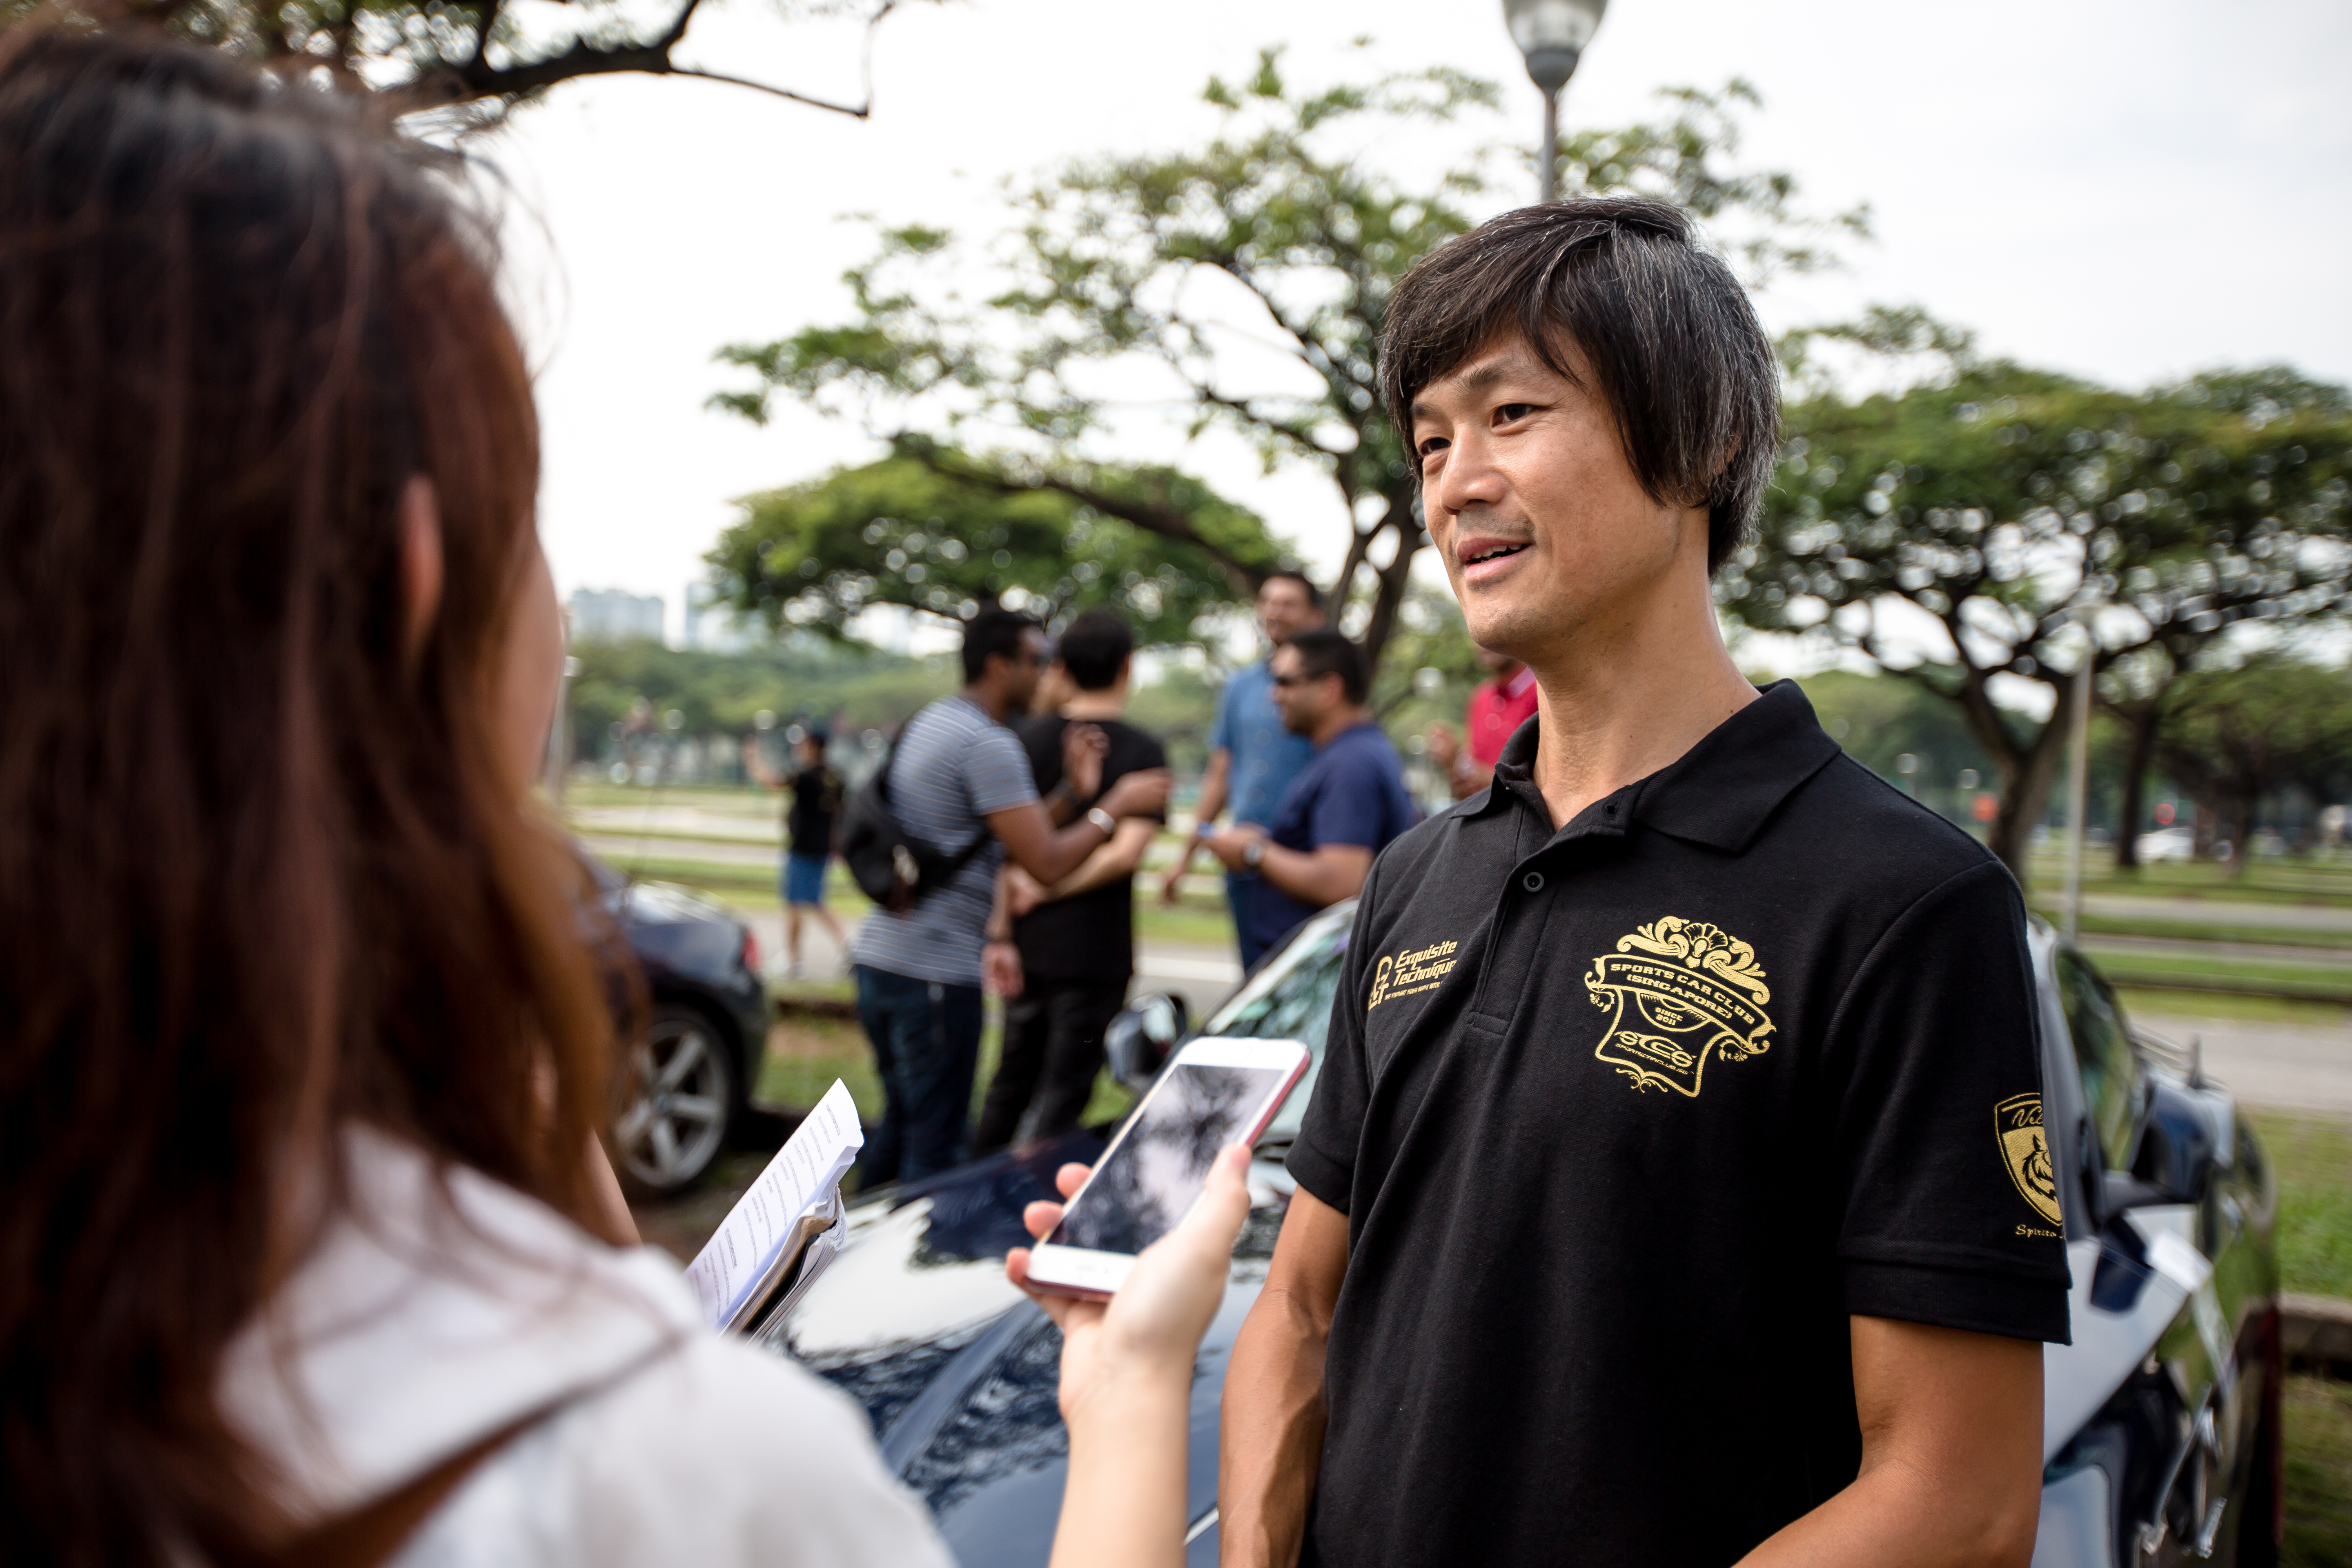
pixel 419 1327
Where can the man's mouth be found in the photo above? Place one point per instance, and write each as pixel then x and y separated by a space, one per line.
pixel 1491 552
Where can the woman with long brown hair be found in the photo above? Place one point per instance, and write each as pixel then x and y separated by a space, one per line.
pixel 307 1249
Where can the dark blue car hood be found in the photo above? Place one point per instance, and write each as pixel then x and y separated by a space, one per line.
pixel 957 1370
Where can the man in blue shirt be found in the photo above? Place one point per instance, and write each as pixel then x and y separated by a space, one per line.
pixel 1252 758
pixel 1340 812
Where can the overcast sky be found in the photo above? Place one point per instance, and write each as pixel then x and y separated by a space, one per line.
pixel 2127 192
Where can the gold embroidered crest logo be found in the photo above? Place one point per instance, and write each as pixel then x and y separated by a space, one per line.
pixel 1681 991
pixel 2025 1150
pixel 1409 974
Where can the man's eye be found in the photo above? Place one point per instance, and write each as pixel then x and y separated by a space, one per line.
pixel 1512 412
pixel 1433 445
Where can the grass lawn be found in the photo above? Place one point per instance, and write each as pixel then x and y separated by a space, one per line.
pixel 2281 881
pixel 2319 1422
pixel 2223 1006
pixel 2313 1157
pixel 805 1054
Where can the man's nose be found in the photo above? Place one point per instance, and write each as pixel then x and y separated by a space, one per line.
pixel 1470 478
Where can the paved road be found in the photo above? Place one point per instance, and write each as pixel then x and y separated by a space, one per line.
pixel 2213 911
pixel 2281 1067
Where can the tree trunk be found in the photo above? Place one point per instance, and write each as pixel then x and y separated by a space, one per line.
pixel 2144 719
pixel 2025 792
pixel 1390 585
pixel 2026 770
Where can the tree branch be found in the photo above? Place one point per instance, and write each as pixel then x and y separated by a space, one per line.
pixel 476 78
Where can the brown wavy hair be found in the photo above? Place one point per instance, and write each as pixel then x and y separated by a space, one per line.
pixel 263 870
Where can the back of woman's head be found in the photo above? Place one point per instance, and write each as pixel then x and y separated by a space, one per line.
pixel 264 868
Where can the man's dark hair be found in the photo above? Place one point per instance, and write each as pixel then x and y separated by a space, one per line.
pixel 1305 585
pixel 1673 343
pixel 994 630
pixel 1324 651
pixel 1094 648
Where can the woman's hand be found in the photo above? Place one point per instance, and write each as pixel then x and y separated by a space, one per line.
pixel 1150 1329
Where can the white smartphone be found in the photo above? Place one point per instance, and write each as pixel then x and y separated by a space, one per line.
pixel 1217 1092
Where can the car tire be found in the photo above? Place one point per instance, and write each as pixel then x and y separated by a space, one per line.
pixel 2258 1516
pixel 681 1102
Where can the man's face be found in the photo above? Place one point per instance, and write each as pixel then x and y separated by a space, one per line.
pixel 1283 611
pixel 1020 671
pixel 1544 529
pixel 1305 700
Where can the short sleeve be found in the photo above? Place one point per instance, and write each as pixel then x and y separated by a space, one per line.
pixel 1323 1156
pixel 1221 732
pixel 996 771
pixel 1353 807
pixel 1949 1202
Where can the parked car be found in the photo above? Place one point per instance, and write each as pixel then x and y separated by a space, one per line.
pixel 707 1024
pixel 2165 843
pixel 2160 1419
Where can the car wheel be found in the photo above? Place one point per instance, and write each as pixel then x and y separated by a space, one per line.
pixel 681 1088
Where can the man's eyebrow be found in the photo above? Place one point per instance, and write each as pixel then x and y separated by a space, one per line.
pixel 1481 376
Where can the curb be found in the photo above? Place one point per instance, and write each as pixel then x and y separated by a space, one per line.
pixel 2315 1332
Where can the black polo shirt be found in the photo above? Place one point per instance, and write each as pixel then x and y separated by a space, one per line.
pixel 1628 1118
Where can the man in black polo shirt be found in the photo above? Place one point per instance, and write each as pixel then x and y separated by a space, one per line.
pixel 1653 1203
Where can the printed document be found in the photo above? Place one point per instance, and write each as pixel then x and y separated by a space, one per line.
pixel 743 1253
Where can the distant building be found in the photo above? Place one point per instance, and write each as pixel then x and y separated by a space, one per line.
pixel 609 614
pixel 710 625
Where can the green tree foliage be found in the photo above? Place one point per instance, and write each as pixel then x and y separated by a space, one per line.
pixel 1879 719
pixel 479 57
pixel 2000 505
pixel 1246 282
pixel 634 684
pixel 2235 735
pixel 944 535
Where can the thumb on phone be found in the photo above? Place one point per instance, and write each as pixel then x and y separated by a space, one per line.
pixel 1159 1315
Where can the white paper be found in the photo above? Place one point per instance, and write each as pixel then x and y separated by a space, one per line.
pixel 802 1174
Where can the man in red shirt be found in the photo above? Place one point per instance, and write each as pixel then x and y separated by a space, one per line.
pixel 1497 709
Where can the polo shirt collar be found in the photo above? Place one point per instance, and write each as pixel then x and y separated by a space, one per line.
pixel 1720 793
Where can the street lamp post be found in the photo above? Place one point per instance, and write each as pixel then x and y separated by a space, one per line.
pixel 1552 34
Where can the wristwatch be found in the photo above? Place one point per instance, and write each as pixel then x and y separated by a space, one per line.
pixel 1104 820
pixel 1253 852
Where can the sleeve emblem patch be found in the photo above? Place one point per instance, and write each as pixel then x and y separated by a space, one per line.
pixel 2025 1150
pixel 1679 992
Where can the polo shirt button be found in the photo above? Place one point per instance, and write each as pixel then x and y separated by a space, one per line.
pixel 1532 882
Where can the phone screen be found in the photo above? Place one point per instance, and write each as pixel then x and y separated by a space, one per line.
pixel 1147 1183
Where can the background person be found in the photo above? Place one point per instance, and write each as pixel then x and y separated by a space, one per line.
pixel 1502 702
pixel 320 1261
pixel 1341 811
pixel 1252 758
pixel 1076 938
pixel 957 777
pixel 817 791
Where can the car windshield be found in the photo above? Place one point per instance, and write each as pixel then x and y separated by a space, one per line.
pixel 1290 999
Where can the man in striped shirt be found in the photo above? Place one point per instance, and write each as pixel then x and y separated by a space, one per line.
pixel 957 776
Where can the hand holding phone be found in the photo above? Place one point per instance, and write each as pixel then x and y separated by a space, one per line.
pixel 1215 1093
pixel 1156 1320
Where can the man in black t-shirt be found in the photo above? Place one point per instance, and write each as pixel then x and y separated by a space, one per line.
pixel 816 793
pixel 1673 1192
pixel 1076 938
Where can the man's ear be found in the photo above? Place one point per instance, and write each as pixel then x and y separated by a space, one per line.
pixel 421 565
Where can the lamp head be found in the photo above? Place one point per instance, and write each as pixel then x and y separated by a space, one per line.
pixel 1552 34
